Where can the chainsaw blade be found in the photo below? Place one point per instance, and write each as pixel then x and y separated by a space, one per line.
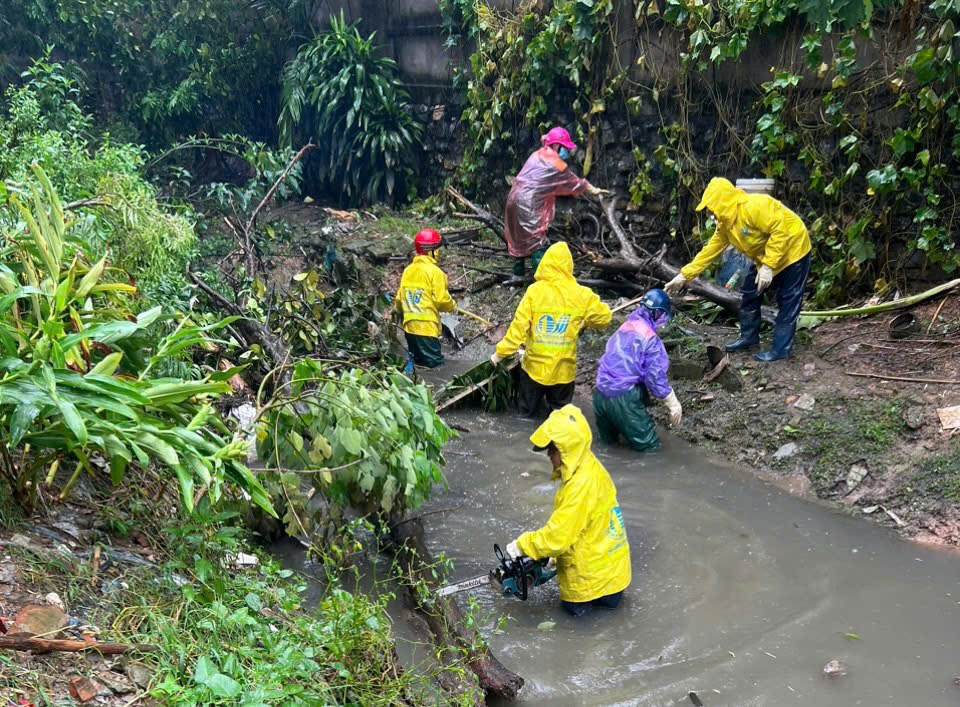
pixel 466 584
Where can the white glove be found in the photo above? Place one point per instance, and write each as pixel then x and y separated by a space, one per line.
pixel 596 191
pixel 496 359
pixel 675 285
pixel 764 278
pixel 513 551
pixel 551 563
pixel 676 411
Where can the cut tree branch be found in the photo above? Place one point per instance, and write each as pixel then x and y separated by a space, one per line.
pixel 47 645
pixel 492 222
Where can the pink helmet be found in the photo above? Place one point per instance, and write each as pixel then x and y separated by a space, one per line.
pixel 558 136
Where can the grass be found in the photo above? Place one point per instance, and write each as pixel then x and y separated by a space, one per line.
pixel 837 438
pixel 224 635
pixel 938 476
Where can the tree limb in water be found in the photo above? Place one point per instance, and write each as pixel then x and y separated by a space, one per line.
pixel 446 622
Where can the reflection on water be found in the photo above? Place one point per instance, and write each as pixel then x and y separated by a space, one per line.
pixel 740 592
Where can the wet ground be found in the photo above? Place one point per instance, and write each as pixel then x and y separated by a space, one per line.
pixel 741 593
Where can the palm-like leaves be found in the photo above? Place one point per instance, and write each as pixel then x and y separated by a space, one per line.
pixel 61 391
pixel 349 98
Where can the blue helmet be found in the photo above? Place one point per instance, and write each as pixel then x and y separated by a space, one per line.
pixel 658 302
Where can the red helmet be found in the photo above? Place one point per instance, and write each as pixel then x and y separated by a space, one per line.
pixel 427 240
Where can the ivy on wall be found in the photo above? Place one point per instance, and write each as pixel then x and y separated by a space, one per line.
pixel 859 120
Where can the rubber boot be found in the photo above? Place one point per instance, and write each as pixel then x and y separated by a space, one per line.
pixel 519 267
pixel 782 345
pixel 749 335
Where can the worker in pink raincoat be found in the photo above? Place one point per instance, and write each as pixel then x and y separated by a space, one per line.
pixel 531 202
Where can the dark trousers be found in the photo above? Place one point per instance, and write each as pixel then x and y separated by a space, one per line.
pixel 789 284
pixel 579 608
pixel 532 397
pixel 425 349
pixel 519 264
pixel 626 414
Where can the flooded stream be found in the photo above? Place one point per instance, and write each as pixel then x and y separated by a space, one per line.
pixel 740 592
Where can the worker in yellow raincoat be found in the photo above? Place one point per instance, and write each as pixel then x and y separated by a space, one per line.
pixel 777 242
pixel 422 296
pixel 547 323
pixel 585 534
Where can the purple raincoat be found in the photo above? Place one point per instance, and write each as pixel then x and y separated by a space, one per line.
pixel 634 356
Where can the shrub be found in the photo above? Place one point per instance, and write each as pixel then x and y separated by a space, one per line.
pixel 342 93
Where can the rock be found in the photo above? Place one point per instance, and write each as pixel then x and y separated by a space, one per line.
pixel 140 674
pixel 9 573
pixel 835 669
pixel 39 620
pixel 914 417
pixel 786 451
pixel 118 684
pixel 53 599
pixel 24 542
pixel 805 402
pixel 84 689
pixel 855 475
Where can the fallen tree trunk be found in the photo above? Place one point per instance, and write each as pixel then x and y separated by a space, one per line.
pixel 659 267
pixel 48 645
pixel 453 638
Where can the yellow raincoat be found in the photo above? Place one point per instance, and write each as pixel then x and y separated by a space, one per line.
pixel 423 295
pixel 549 318
pixel 757 225
pixel 585 532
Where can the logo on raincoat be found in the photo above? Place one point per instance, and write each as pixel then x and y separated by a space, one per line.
pixel 552 331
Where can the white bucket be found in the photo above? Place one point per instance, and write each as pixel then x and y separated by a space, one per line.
pixel 757 186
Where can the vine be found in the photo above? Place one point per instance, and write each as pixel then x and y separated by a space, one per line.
pixel 859 120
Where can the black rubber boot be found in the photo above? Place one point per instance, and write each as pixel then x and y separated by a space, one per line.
pixel 782 345
pixel 742 343
pixel 749 335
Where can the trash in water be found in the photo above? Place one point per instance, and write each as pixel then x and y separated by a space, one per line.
pixel 546 625
pixel 835 669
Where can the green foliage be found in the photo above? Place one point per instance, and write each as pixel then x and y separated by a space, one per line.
pixel 168 68
pixel 364 439
pixel 525 62
pixel 75 362
pixel 250 635
pixel 873 190
pixel 342 93
pixel 41 124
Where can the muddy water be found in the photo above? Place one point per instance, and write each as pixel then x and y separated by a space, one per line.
pixel 740 592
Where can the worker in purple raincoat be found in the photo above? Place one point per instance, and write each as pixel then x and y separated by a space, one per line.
pixel 633 369
pixel 532 199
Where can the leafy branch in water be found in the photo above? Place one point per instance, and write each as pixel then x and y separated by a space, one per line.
pixel 364 439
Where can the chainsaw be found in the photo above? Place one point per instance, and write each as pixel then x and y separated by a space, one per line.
pixel 513 577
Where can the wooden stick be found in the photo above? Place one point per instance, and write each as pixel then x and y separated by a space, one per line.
pixel 883 376
pixel 46 645
pixel 937 313
pixel 477 317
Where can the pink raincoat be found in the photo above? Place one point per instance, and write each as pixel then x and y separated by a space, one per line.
pixel 531 202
